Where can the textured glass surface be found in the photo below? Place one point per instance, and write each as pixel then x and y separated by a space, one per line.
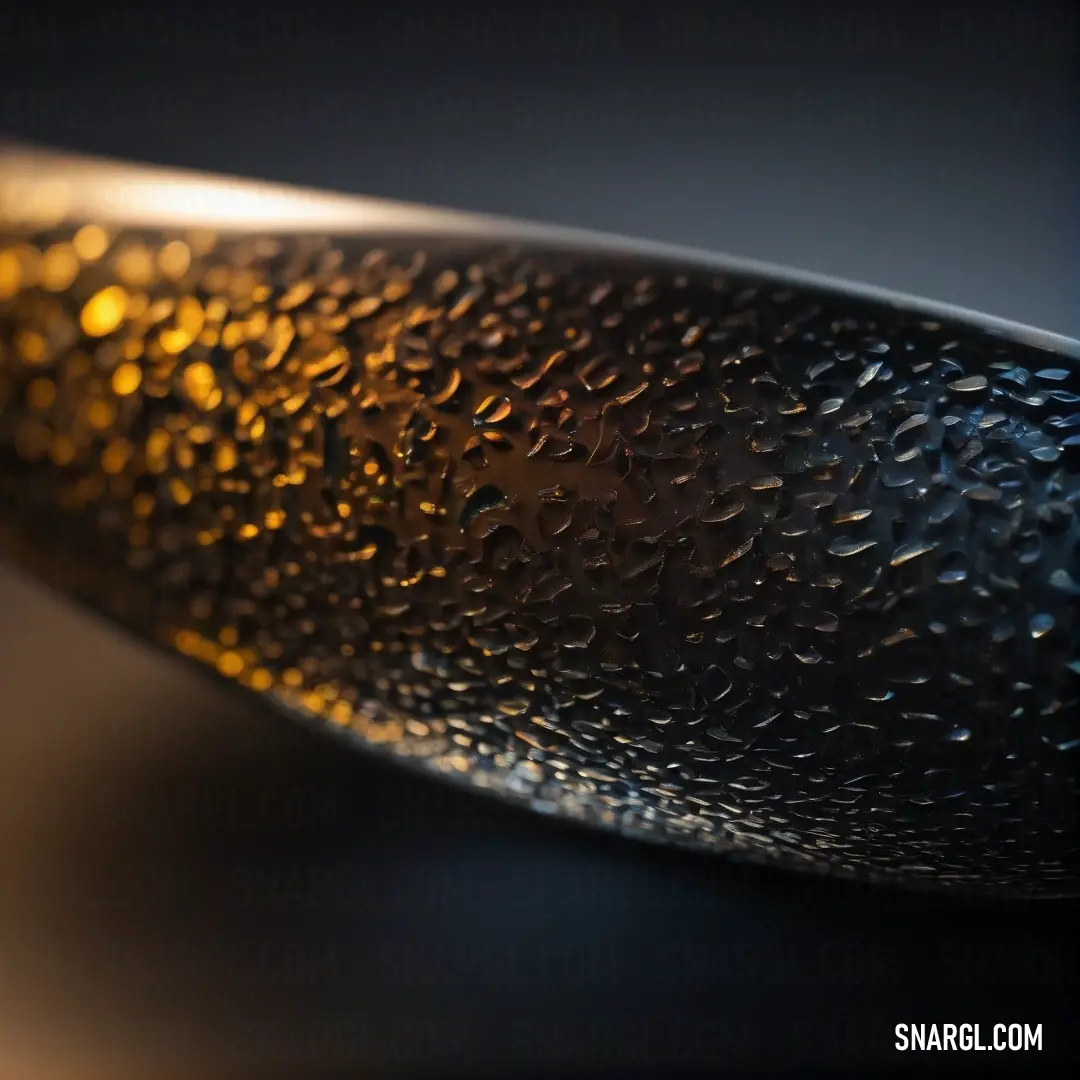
pixel 684 550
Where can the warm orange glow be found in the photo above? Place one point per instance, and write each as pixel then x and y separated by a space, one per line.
pixel 126 379
pixel 39 187
pixel 104 311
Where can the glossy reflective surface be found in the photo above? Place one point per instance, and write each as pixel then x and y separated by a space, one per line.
pixel 683 549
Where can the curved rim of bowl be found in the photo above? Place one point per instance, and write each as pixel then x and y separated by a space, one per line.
pixel 43 187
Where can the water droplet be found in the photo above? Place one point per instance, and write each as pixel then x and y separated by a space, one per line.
pixel 738 553
pixel 1064 582
pixel 867 374
pixel 968 383
pixel 1041 625
pixel 492 410
pixel 715 684
pixel 481 501
pixel 104 311
pixel 848 516
pixel 765 483
pixel 845 546
pixel 579 632
pixel 1048 454
pixel 720 734
pixel 906 552
pixel 723 513
pixel 913 421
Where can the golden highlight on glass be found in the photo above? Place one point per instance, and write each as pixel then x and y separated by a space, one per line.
pixel 684 548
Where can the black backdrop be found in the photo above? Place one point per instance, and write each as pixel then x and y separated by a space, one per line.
pixel 190 886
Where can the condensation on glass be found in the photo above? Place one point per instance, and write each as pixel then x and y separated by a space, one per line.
pixel 692 549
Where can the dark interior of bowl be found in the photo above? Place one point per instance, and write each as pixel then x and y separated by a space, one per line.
pixel 721 561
